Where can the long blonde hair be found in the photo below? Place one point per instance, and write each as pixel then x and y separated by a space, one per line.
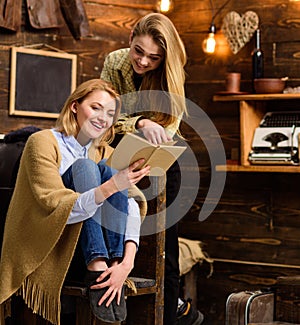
pixel 170 76
pixel 67 121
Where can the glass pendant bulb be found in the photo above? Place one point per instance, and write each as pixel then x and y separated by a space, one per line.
pixel 165 5
pixel 209 43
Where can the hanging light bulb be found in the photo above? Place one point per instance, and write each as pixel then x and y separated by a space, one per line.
pixel 209 43
pixel 165 5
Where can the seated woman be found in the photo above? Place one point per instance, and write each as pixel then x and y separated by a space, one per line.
pixel 64 195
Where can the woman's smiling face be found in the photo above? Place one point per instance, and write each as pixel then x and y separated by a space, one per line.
pixel 94 115
pixel 145 55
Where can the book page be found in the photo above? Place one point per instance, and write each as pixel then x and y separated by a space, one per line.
pixel 163 158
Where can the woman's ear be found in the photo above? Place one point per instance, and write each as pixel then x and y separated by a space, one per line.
pixel 74 107
pixel 130 37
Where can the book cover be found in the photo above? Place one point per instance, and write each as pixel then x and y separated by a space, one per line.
pixel 133 147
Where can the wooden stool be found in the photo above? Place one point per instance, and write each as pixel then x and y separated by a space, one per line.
pixel 83 312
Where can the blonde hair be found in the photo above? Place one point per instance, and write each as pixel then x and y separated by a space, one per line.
pixel 170 76
pixel 67 121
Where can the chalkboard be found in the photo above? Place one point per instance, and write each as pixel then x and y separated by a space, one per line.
pixel 40 81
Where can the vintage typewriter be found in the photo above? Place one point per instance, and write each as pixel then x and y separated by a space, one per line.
pixel 275 141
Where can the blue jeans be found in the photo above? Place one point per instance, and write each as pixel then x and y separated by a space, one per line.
pixel 102 235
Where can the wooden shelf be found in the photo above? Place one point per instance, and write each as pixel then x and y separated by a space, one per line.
pixel 258 168
pixel 255 97
pixel 252 109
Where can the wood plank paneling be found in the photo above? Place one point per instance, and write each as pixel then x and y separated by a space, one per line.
pixel 257 217
pixel 232 277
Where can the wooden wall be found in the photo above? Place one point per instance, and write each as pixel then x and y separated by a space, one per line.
pixel 254 232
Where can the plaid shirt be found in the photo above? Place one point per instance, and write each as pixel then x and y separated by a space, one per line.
pixel 118 71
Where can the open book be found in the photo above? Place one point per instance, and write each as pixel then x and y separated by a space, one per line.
pixel 132 148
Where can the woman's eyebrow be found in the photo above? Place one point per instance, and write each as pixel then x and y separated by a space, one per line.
pixel 149 54
pixel 97 103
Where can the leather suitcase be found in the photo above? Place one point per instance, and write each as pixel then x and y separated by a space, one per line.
pixel 245 307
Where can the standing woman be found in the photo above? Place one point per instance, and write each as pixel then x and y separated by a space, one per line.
pixel 64 195
pixel 151 75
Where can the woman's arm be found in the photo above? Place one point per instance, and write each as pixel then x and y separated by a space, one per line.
pixel 117 273
pixel 155 133
pixel 133 225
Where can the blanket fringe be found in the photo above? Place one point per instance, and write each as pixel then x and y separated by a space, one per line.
pixel 40 301
pixel 131 285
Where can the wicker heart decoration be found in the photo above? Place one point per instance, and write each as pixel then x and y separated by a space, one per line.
pixel 238 30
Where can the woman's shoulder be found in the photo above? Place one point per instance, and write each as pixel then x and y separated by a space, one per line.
pixel 43 134
pixel 117 55
pixel 43 139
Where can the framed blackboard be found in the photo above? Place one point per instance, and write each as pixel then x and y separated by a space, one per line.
pixel 40 81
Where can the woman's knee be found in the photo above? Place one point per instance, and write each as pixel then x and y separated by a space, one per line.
pixel 86 166
pixel 85 174
pixel 85 163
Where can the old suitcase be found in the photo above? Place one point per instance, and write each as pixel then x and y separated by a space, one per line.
pixel 246 307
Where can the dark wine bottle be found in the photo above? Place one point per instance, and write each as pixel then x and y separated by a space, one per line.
pixel 257 58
